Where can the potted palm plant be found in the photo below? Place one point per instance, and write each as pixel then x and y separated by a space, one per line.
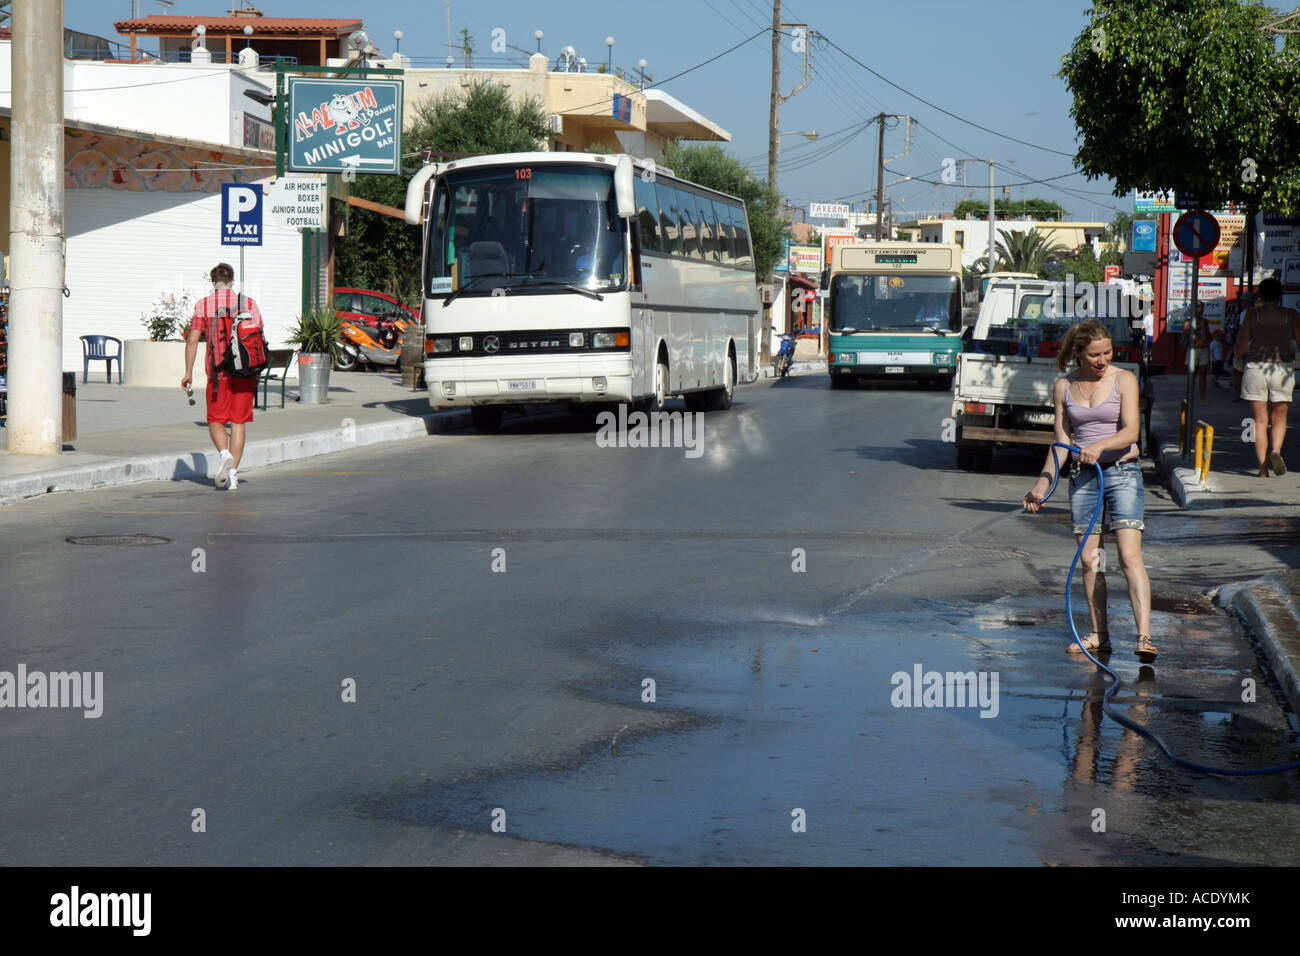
pixel 316 337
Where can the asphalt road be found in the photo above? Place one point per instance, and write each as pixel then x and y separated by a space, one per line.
pixel 499 602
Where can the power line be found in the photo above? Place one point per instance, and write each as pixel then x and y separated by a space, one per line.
pixel 935 106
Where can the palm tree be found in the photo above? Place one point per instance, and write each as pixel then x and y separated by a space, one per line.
pixel 1025 251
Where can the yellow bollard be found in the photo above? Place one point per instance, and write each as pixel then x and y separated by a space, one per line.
pixel 1182 427
pixel 1204 449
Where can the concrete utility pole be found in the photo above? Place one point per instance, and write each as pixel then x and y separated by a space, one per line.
pixel 773 132
pixel 991 218
pixel 880 176
pixel 36 247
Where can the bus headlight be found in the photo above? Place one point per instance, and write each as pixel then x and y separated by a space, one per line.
pixel 466 343
pixel 577 340
pixel 942 358
pixel 610 340
pixel 442 345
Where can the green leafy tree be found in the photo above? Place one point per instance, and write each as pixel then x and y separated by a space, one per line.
pixel 1193 95
pixel 1042 209
pixel 712 166
pixel 382 252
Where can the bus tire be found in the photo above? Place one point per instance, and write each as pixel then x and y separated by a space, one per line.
pixel 659 398
pixel 719 399
pixel 842 381
pixel 486 418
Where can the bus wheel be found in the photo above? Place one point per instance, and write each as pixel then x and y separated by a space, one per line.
pixel 660 397
pixel 486 418
pixel 719 399
pixel 841 381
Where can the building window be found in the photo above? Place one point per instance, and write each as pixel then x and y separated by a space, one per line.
pixel 961 238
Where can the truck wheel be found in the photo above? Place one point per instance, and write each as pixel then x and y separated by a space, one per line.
pixel 486 418
pixel 983 459
pixel 965 458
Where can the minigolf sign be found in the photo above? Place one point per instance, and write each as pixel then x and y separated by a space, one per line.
pixel 337 126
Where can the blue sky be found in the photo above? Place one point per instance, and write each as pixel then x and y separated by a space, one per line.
pixel 993 63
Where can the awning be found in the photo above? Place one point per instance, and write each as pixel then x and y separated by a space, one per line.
pixel 671 118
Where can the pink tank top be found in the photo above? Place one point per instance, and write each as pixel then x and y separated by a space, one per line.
pixel 1088 425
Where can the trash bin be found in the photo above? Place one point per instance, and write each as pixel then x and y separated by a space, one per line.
pixel 314 378
pixel 69 406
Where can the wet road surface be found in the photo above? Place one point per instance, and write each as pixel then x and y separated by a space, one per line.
pixel 518 695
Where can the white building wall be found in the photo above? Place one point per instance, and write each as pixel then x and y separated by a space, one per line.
pixel 126 248
pixel 204 103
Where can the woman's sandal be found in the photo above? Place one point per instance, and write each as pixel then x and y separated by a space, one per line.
pixel 1094 641
pixel 1146 651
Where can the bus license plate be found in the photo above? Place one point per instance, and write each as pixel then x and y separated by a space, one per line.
pixel 522 385
pixel 893 370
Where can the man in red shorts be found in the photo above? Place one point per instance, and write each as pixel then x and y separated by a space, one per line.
pixel 233 403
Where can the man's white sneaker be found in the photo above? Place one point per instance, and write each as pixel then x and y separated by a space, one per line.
pixel 223 473
pixel 234 479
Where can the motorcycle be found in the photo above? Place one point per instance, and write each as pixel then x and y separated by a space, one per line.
pixel 377 345
pixel 785 357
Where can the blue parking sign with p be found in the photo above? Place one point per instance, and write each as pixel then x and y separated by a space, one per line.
pixel 241 214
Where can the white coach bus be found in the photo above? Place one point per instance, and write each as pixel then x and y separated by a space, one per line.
pixel 578 278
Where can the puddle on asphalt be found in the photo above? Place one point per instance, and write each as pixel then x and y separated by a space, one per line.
pixel 798 719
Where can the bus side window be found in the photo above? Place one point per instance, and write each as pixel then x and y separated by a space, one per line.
pixel 744 258
pixel 672 236
pixel 708 230
pixel 648 215
pixel 726 237
pixel 690 217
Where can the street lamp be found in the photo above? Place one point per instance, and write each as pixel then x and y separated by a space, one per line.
pixel 537 35
pixel 642 64
pixel 397 38
pixel 609 42
pixel 805 133
pixel 248 36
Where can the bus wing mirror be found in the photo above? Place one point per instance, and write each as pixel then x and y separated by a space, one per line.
pixel 415 194
pixel 624 181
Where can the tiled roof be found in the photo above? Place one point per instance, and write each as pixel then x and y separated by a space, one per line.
pixel 262 26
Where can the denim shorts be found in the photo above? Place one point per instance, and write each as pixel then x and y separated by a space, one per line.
pixel 1124 495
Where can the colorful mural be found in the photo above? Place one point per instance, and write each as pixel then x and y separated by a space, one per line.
pixel 99 161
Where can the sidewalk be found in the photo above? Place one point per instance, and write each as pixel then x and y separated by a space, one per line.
pixel 1267 605
pixel 130 434
pixel 1233 480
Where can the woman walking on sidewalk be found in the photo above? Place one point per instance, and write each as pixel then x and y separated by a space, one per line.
pixel 1097 410
pixel 1267 341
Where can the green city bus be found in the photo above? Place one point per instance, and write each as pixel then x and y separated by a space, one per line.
pixel 894 312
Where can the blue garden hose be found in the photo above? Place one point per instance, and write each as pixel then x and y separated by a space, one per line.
pixel 1115 681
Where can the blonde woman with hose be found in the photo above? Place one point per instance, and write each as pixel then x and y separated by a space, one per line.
pixel 1097 410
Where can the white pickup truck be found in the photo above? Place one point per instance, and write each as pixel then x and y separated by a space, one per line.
pixel 1002 389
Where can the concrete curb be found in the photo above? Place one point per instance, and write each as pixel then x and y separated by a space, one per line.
pixel 1268 608
pixel 200 464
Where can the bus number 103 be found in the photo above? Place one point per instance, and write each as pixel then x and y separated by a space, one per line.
pixel 525 173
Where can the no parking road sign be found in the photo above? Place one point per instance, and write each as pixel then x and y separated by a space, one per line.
pixel 241 214
pixel 1196 233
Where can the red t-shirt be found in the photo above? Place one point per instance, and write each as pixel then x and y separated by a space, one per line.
pixel 205 310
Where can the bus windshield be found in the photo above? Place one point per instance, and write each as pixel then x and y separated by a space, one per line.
pixel 525 227
pixel 875 303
